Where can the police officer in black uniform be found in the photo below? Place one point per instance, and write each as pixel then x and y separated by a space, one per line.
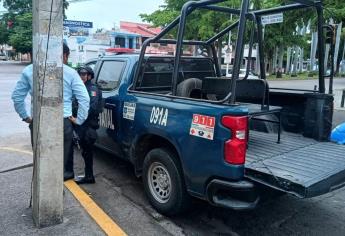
pixel 87 131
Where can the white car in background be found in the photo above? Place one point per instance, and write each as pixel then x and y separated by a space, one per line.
pixel 3 56
pixel 242 74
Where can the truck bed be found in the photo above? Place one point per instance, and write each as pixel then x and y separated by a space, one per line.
pixel 298 165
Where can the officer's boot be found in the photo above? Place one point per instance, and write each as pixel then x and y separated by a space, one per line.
pixel 89 169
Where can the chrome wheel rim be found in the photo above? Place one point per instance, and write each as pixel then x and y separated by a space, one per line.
pixel 159 182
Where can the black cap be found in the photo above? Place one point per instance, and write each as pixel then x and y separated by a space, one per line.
pixel 86 69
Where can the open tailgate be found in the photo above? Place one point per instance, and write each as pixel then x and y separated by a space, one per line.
pixel 298 165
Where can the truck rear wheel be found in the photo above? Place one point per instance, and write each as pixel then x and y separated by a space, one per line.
pixel 163 182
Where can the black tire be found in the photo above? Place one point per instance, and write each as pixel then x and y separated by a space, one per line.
pixel 167 194
pixel 189 88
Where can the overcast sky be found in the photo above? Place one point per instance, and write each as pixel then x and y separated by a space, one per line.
pixel 106 13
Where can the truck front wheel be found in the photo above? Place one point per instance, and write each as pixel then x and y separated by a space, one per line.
pixel 163 182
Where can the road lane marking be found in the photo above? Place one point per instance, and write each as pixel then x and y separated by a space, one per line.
pixel 15 150
pixel 101 218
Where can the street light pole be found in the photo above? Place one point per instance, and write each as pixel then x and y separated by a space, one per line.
pixel 47 112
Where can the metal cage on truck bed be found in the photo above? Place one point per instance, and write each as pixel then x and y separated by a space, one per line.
pixel 244 14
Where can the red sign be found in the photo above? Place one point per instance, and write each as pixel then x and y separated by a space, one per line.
pixel 204 120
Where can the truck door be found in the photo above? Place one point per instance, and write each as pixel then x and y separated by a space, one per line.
pixel 108 79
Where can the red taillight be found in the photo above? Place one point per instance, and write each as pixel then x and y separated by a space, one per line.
pixel 235 147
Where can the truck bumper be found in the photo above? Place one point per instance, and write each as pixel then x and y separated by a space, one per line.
pixel 238 195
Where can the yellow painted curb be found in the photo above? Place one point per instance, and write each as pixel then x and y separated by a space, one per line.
pixel 15 150
pixel 101 218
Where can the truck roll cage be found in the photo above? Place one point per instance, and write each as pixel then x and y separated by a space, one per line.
pixel 244 15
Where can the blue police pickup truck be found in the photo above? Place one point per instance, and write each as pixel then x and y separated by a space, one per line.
pixel 188 131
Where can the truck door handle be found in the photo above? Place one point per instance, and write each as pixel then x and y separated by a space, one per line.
pixel 110 105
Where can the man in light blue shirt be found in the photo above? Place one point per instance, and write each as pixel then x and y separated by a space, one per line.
pixel 72 86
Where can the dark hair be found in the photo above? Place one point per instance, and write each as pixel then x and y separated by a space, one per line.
pixel 65 49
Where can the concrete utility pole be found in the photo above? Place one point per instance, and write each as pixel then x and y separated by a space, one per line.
pixel 48 112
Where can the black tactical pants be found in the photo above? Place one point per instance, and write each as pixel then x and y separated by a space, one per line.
pixel 87 137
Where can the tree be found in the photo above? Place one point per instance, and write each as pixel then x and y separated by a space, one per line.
pixel 203 24
pixel 21 35
pixel 19 32
pixel 23 6
pixel 18 6
pixel 3 32
pixel 335 9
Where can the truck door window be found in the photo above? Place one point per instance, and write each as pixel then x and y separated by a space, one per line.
pixel 110 75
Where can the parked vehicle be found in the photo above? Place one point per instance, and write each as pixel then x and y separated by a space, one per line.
pixel 3 57
pixel 188 131
pixel 243 73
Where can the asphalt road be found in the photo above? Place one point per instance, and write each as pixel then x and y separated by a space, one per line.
pixel 121 194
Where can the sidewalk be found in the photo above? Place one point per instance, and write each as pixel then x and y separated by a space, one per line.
pixel 16 216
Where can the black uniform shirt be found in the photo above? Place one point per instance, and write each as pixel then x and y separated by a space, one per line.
pixel 96 105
